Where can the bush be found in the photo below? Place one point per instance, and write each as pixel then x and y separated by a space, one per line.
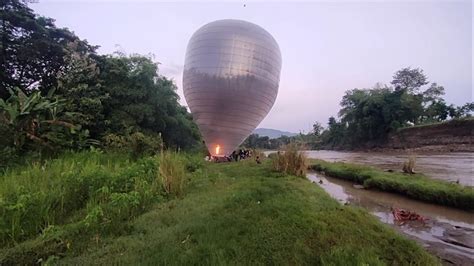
pixel 193 162
pixel 137 144
pixel 8 156
pixel 115 142
pixel 291 161
pixel 144 144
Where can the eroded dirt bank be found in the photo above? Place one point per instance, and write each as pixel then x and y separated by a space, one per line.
pixel 455 135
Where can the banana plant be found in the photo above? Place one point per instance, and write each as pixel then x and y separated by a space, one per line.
pixel 26 113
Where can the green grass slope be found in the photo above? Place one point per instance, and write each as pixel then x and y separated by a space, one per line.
pixel 243 213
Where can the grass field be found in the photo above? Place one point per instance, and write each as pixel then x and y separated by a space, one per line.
pixel 415 186
pixel 231 213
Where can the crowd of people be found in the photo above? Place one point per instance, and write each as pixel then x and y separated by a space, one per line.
pixel 240 155
pixel 236 155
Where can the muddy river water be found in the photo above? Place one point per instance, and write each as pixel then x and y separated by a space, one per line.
pixel 448 233
pixel 452 166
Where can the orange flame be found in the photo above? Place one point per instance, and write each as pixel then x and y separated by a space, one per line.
pixel 218 149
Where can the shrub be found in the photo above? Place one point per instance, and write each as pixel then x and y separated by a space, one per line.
pixel 115 142
pixel 144 144
pixel 193 162
pixel 291 161
pixel 409 165
pixel 8 155
pixel 137 143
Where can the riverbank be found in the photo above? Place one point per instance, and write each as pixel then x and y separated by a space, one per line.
pixel 455 135
pixel 446 232
pixel 416 186
pixel 229 213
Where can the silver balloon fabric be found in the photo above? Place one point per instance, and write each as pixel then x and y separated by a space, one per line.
pixel 230 80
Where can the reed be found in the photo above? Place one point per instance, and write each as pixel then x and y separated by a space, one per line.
pixel 409 165
pixel 172 173
pixel 291 161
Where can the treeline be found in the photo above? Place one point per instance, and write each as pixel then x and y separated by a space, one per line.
pixel 57 93
pixel 368 116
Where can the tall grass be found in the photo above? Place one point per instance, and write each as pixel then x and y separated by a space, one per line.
pixel 95 191
pixel 290 161
pixel 415 186
pixel 172 173
pixel 51 193
pixel 409 165
pixel 258 153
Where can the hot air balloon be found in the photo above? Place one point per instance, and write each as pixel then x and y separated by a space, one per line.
pixel 230 80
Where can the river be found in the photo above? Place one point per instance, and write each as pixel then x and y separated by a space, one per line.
pixel 452 166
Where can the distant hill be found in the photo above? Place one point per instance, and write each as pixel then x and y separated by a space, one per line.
pixel 273 133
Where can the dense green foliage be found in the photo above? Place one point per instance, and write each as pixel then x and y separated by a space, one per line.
pixel 58 94
pixel 415 186
pixel 88 209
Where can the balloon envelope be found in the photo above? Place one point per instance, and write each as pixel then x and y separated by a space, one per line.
pixel 230 81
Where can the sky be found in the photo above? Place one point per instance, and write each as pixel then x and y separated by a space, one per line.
pixel 328 47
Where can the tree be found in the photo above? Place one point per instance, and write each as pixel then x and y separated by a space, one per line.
pixel 138 99
pixel 317 129
pixel 370 114
pixel 32 49
pixel 435 108
pixel 467 109
pixel 79 85
pixel 409 79
pixel 434 93
pixel 461 111
pixel 438 111
pixel 251 141
pixel 335 134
